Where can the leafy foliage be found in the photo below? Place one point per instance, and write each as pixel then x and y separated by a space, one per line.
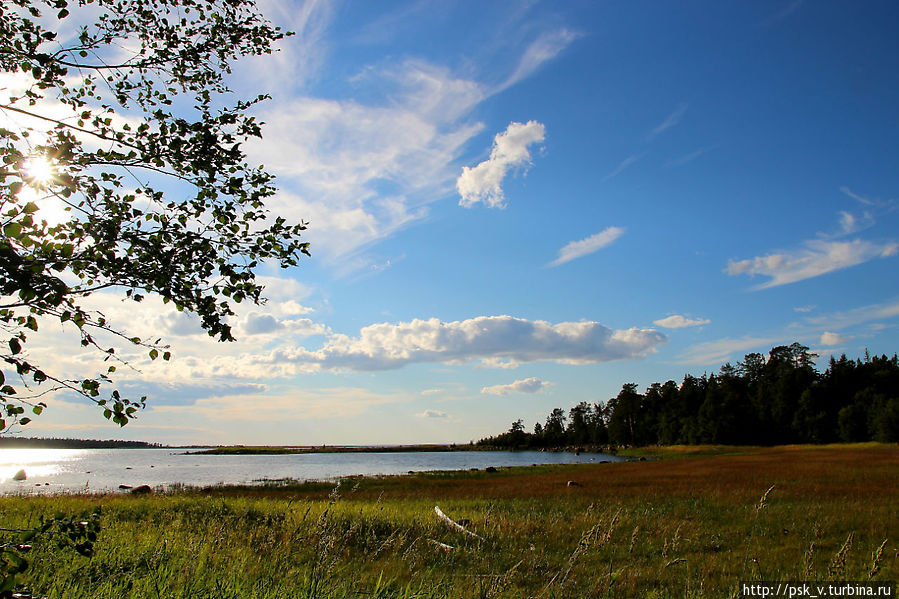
pixel 78 534
pixel 117 111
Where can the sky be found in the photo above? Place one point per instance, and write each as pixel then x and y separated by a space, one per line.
pixel 517 206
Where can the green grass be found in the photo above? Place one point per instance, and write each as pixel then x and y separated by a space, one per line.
pixel 694 530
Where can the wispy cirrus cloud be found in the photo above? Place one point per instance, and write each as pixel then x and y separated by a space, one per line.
pixel 719 351
pixel 816 258
pixel 676 321
pixel 689 157
pixel 861 315
pixel 483 183
pixel 594 243
pixel 624 164
pixel 547 46
pixel 529 385
pixel 670 121
pixel 362 165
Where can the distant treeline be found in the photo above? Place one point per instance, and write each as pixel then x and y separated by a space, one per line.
pixel 54 443
pixel 781 399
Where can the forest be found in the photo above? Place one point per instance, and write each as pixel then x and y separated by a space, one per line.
pixel 780 399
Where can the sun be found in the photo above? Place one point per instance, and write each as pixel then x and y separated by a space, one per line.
pixel 39 171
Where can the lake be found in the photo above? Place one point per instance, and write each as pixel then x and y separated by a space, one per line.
pixel 52 471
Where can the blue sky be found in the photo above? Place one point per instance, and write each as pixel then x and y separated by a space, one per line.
pixel 520 206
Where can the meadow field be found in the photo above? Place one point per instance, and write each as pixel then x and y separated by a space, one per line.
pixel 689 522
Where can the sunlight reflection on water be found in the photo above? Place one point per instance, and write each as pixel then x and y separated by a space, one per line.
pixel 35 462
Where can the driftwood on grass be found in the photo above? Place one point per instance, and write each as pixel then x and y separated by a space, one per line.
pixel 455 524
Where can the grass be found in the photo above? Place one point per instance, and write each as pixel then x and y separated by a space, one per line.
pixel 689 527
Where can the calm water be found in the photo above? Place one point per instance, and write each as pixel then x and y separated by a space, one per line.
pixel 99 470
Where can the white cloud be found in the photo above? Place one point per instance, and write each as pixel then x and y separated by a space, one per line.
pixel 256 323
pixel 817 258
pixel 578 249
pixel 483 183
pixel 676 321
pixel 530 385
pixel 360 173
pixel 429 414
pixel 489 339
pixel 829 339
pixel 804 309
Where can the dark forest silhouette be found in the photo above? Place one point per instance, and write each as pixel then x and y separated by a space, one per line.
pixel 778 400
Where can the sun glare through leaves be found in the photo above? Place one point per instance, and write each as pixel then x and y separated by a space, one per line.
pixel 39 171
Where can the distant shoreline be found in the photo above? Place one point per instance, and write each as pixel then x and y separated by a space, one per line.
pixel 57 443
pixel 300 449
pixel 303 449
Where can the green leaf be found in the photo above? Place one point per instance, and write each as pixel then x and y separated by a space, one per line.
pixel 13 230
pixel 14 346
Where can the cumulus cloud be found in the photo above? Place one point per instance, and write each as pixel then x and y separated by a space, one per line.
pixel 829 339
pixel 483 183
pixel 818 257
pixel 490 339
pixel 256 323
pixel 577 249
pixel 676 321
pixel 531 385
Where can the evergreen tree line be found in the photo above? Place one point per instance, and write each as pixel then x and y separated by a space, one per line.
pixel 781 399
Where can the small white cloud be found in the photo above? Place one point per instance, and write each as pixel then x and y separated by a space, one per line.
pixel 432 414
pixel 483 183
pixel 531 385
pixel 817 258
pixel 577 249
pixel 676 321
pixel 829 339
pixel 804 309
